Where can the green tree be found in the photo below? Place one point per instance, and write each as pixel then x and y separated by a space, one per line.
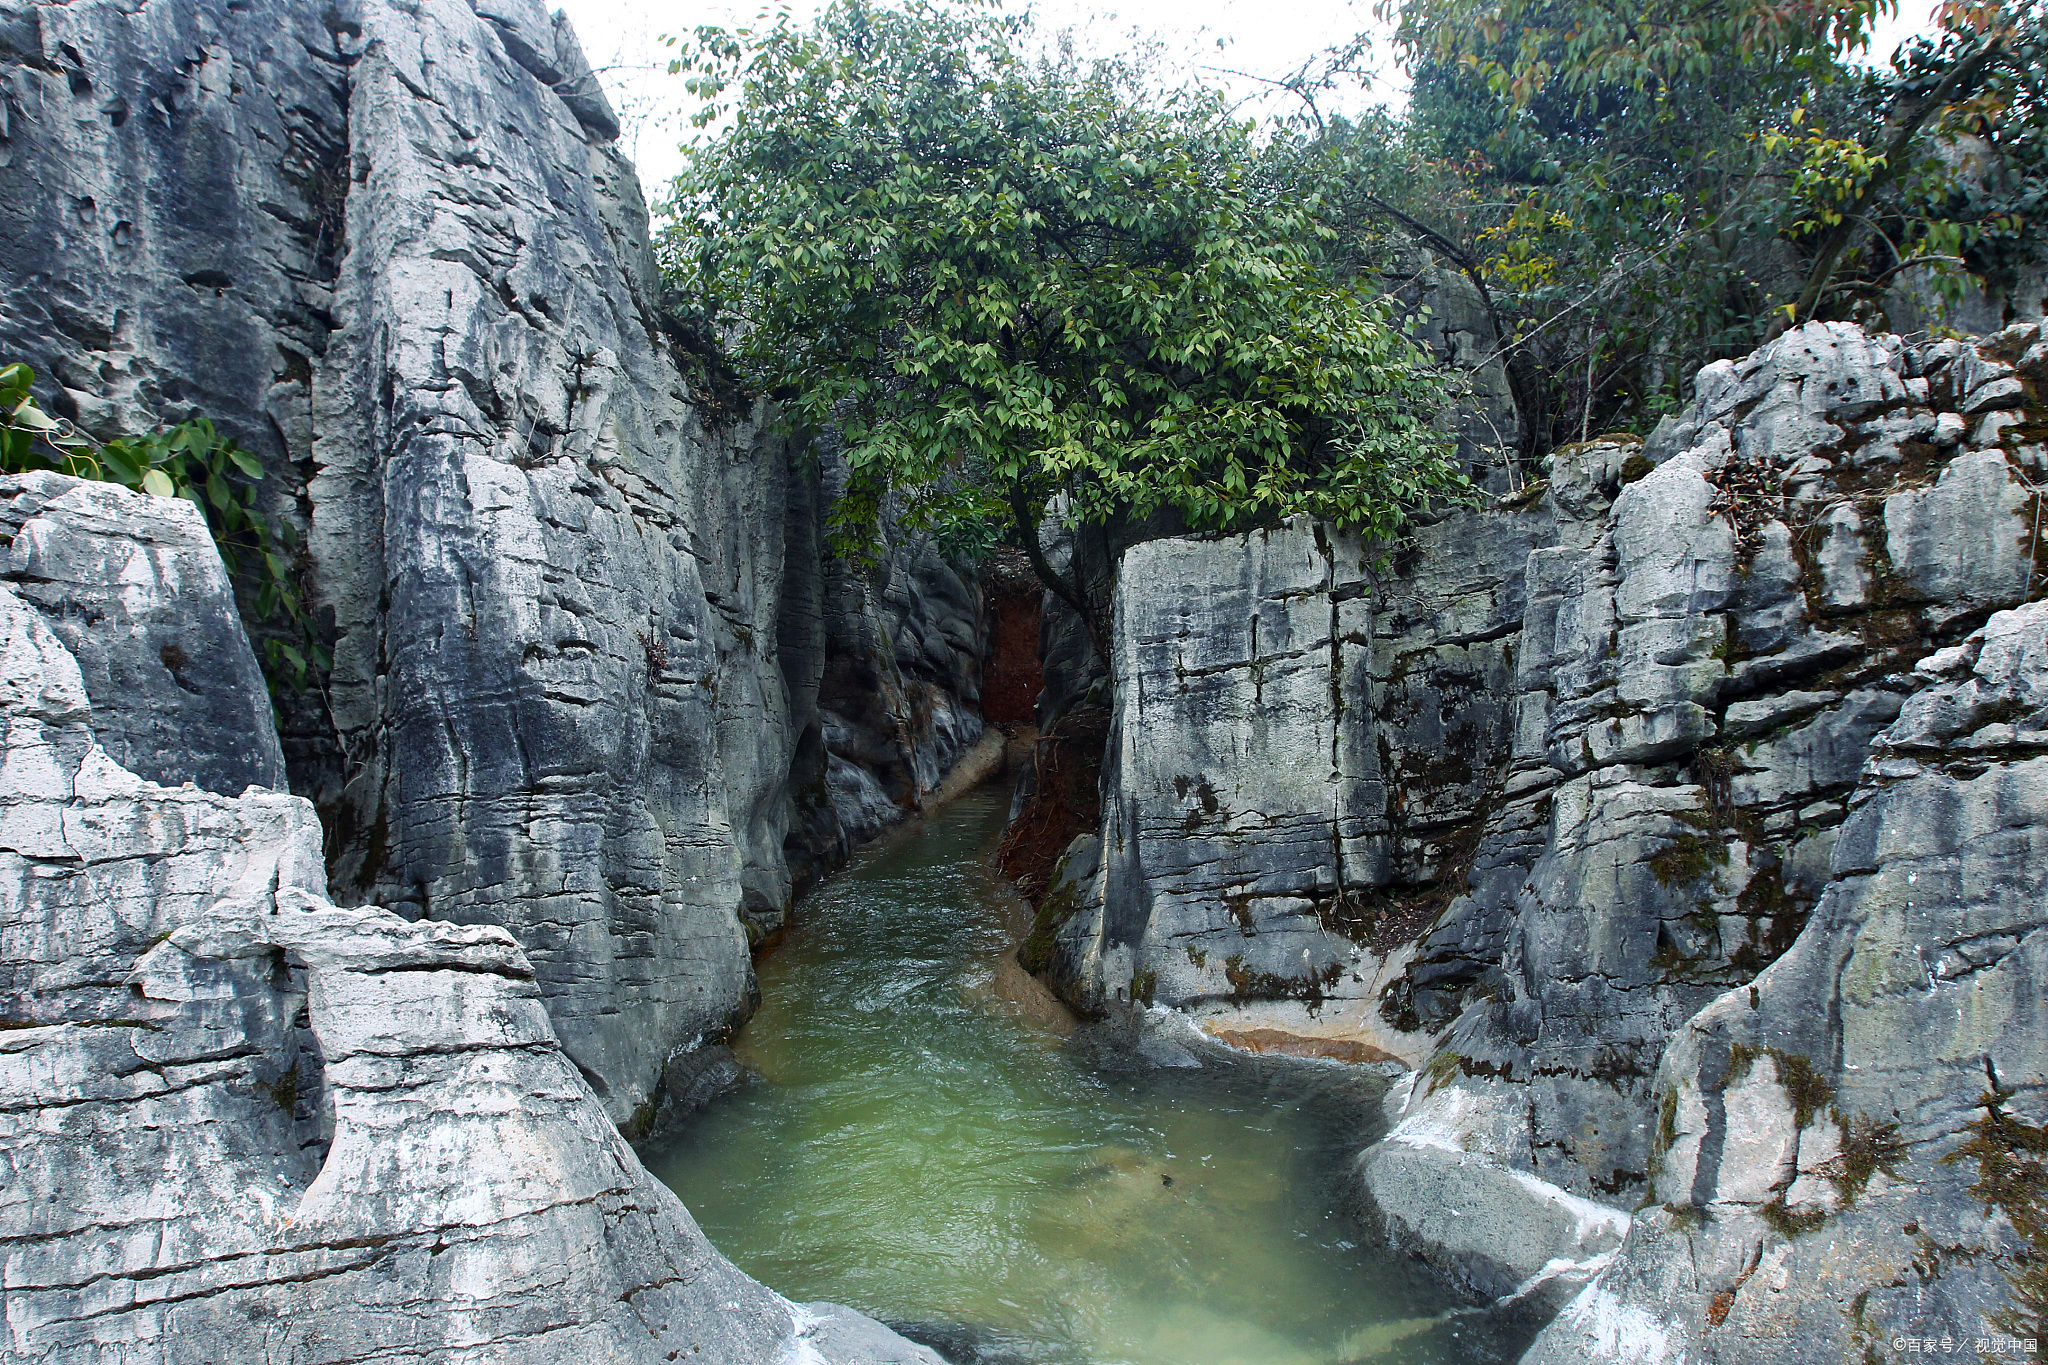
pixel 1958 165
pixel 1641 188
pixel 1606 172
pixel 1010 284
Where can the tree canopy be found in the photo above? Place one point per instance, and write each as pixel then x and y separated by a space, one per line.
pixel 1012 282
pixel 1643 188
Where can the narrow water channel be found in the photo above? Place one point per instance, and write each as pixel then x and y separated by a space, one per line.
pixel 927 1141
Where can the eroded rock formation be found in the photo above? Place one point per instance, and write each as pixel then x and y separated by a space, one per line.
pixel 1545 806
pixel 595 678
pixel 240 1123
pixel 1678 818
pixel 1836 1138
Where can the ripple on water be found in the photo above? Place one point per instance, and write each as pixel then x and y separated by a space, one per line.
pixel 924 1142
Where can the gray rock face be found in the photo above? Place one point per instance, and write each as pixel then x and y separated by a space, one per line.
pixel 1809 1199
pixel 1249 811
pixel 126 582
pixel 560 598
pixel 242 1123
pixel 899 695
pixel 595 679
pixel 1573 773
pixel 1447 315
pixel 171 180
pixel 1443 1193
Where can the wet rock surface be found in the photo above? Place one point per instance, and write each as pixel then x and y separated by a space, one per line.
pixel 1570 780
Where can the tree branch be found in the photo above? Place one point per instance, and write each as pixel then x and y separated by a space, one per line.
pixel 1515 361
pixel 1027 535
pixel 1832 246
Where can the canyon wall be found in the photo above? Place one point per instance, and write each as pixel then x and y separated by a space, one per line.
pixel 239 1122
pixel 601 702
pixel 1608 808
pixel 595 678
pixel 1676 818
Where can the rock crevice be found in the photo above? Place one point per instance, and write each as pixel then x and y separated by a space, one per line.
pixel 596 677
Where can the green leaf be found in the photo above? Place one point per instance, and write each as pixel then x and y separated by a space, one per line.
pixel 998 279
pixel 121 464
pixel 164 463
pixel 32 418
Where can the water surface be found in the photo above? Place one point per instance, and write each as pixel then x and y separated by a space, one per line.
pixel 923 1143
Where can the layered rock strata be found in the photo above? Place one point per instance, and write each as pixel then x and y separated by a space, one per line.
pixel 1267 589
pixel 1846 1141
pixel 241 1123
pixel 1577 768
pixel 595 677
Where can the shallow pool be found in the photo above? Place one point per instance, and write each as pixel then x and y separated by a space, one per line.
pixel 928 1140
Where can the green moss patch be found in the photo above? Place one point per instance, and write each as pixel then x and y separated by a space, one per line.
pixel 1808 1090
pixel 1788 1224
pixel 1868 1146
pixel 284 1091
pixel 1688 858
pixel 1055 908
pixel 2012 1177
pixel 1248 984
pixel 1144 985
pixel 1686 1217
pixel 1441 1069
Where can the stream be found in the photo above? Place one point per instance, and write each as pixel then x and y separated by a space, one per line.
pixel 928 1138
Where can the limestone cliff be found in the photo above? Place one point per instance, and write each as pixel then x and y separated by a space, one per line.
pixel 595 679
pixel 1839 1138
pixel 1575 807
pixel 239 1123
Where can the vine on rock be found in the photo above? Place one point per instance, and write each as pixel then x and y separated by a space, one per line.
pixel 193 461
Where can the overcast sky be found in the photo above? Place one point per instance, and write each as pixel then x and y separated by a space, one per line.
pixel 1261 38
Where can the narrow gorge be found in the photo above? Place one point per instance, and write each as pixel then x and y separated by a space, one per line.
pixel 1610 924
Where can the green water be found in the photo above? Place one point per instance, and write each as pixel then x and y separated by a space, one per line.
pixel 923 1144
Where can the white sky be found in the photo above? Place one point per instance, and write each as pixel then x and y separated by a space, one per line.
pixel 1264 38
